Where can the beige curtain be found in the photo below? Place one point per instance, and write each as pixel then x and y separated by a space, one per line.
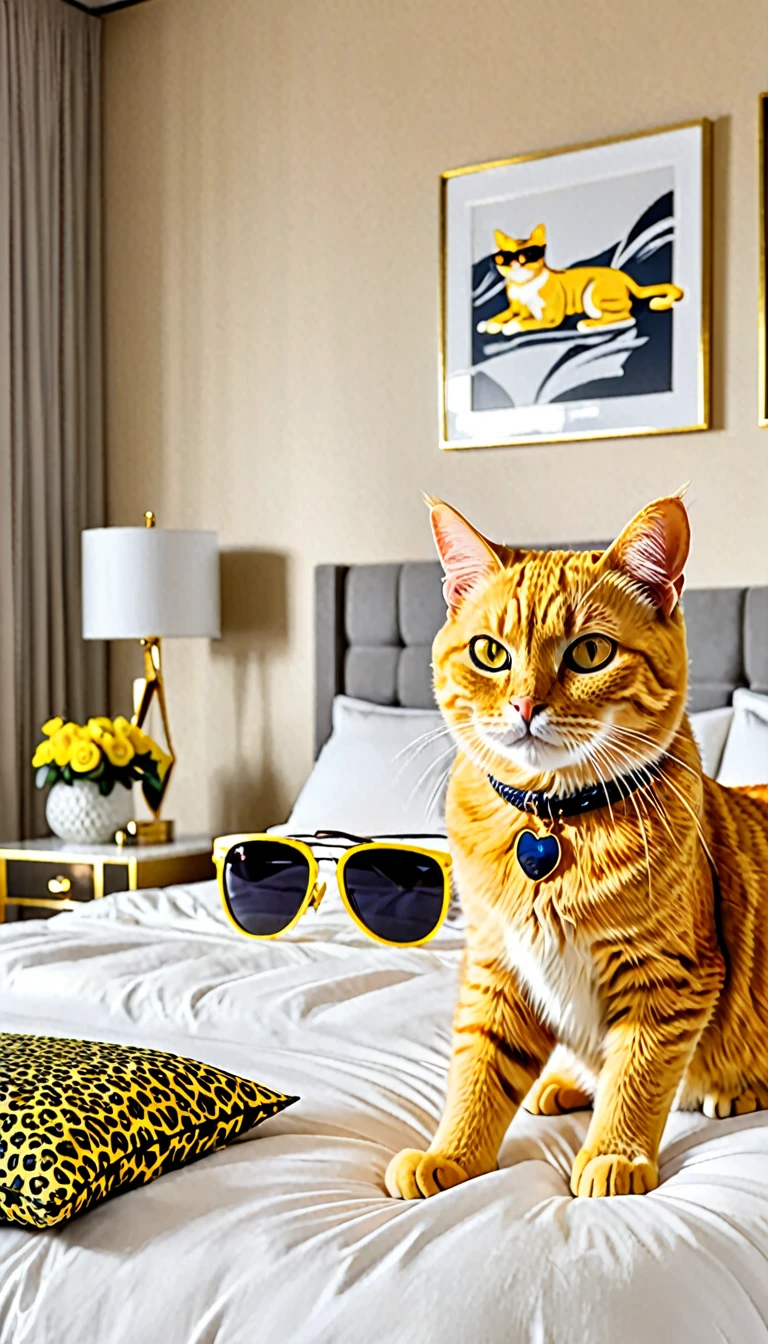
pixel 51 442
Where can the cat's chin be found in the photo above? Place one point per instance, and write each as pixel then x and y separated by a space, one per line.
pixel 537 760
pixel 532 761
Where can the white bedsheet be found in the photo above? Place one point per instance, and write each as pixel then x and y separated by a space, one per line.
pixel 288 1235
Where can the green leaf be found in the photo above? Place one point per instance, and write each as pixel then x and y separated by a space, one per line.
pixel 66 774
pixel 54 774
pixel 106 785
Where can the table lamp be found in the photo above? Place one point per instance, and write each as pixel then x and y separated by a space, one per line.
pixel 150 583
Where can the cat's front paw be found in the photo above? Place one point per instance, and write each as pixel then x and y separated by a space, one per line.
pixel 510 328
pixel 721 1105
pixel 598 1174
pixel 482 327
pixel 415 1175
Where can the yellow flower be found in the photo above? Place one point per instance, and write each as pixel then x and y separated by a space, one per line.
pixel 62 743
pixel 52 726
pixel 98 727
pixel 85 756
pixel 43 755
pixel 140 741
pixel 122 725
pixel 118 750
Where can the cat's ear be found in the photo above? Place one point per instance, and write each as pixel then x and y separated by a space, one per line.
pixel 539 236
pixel 506 244
pixel 467 558
pixel 653 550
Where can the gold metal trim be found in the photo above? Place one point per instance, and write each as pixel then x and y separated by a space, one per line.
pixel 704 357
pixel 152 685
pixel 146 689
pixel 762 317
pixel 57 856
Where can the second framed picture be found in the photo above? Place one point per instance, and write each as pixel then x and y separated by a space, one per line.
pixel 575 292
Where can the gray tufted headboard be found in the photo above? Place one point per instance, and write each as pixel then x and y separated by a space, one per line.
pixel 374 626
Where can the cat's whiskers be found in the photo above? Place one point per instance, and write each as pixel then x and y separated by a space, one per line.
pixel 592 756
pixel 635 733
pixel 631 765
pixel 433 765
pixel 644 737
pixel 665 780
pixel 438 789
pixel 419 744
pixel 645 844
pixel 644 796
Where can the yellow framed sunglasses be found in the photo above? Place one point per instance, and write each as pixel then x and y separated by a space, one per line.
pixel 396 893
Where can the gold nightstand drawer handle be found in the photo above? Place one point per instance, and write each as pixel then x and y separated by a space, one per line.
pixel 59 886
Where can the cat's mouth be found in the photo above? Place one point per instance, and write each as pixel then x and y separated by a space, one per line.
pixel 536 746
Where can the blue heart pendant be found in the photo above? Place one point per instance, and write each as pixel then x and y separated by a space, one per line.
pixel 538 855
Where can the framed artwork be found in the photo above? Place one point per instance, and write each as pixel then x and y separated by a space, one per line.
pixel 762 338
pixel 575 292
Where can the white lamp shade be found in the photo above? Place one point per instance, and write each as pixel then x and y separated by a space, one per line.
pixel 143 581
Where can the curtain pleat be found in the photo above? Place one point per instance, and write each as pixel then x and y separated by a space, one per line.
pixel 51 414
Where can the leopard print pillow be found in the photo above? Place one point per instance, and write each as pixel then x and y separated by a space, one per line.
pixel 81 1121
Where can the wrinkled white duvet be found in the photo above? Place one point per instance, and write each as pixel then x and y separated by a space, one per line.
pixel 288 1235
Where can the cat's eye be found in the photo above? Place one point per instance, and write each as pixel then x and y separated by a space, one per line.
pixel 489 654
pixel 590 653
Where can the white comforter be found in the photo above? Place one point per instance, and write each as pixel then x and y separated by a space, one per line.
pixel 288 1235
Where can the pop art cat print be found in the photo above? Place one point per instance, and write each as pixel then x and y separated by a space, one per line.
pixel 575 292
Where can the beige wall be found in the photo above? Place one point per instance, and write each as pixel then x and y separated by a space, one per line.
pixel 272 224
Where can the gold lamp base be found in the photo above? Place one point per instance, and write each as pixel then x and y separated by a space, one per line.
pixel 151 685
pixel 156 832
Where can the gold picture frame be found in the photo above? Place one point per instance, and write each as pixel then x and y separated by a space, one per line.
pixel 762 337
pixel 685 155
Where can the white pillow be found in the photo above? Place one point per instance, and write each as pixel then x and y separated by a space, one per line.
pixel 378 773
pixel 710 728
pixel 745 759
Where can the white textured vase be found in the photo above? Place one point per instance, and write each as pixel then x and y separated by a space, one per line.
pixel 79 812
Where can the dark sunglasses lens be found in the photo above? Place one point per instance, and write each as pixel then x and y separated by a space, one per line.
pixel 265 884
pixel 396 894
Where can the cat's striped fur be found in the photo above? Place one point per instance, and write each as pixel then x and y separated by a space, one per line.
pixel 625 980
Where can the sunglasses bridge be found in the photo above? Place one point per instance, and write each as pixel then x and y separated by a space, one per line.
pixel 316 895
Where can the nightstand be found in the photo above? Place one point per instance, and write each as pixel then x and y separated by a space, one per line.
pixel 51 875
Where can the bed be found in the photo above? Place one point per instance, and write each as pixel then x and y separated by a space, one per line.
pixel 288 1234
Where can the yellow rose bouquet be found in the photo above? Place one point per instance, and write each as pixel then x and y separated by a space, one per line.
pixel 106 751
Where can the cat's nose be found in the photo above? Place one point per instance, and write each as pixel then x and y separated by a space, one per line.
pixel 525 706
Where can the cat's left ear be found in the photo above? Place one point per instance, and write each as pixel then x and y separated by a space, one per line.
pixel 467 558
pixel 653 550
pixel 539 236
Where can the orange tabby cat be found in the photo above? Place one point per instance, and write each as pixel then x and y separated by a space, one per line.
pixel 540 297
pixel 626 977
